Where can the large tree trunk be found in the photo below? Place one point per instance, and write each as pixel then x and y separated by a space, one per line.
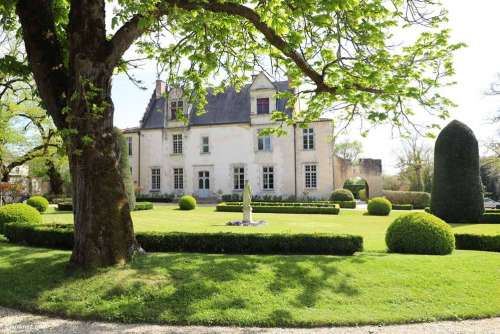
pixel 104 233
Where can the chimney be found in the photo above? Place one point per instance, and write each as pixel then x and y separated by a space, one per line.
pixel 160 88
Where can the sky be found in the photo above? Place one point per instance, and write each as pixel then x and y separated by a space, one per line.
pixel 474 23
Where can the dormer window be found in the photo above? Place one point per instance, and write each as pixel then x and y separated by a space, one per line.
pixel 263 106
pixel 176 109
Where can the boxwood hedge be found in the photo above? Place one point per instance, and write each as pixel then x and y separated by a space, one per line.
pixel 490 243
pixel 61 237
pixel 331 209
pixel 402 207
pixel 490 218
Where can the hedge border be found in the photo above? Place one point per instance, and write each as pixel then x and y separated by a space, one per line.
pixel 480 242
pixel 332 210
pixel 402 206
pixel 139 206
pixel 490 218
pixel 61 237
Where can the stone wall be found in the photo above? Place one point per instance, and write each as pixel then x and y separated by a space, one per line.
pixel 368 169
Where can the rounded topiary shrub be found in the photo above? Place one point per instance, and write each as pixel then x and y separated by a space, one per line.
pixel 19 213
pixel 362 195
pixel 187 202
pixel 342 195
pixel 38 202
pixel 457 190
pixel 379 206
pixel 420 233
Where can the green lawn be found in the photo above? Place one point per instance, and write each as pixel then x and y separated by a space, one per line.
pixel 371 287
pixel 205 219
pixel 257 290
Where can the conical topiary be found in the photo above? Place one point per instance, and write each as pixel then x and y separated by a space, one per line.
pixel 457 195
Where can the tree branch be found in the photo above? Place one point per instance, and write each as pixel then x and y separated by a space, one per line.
pixel 45 55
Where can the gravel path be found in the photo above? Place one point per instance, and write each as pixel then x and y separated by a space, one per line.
pixel 12 321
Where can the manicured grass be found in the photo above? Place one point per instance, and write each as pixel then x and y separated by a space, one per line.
pixel 167 218
pixel 256 290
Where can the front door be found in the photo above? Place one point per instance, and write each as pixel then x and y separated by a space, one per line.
pixel 203 183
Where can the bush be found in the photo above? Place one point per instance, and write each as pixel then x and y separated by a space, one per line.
pixel 402 207
pixel 457 191
pixel 342 195
pixel 282 208
pixel 489 243
pixel 362 195
pixel 65 206
pixel 418 199
pixel 38 202
pixel 20 213
pixel 420 233
pixel 139 206
pixel 428 210
pixel 155 198
pixel 379 206
pixel 346 204
pixel 187 202
pixel 490 218
pixel 61 237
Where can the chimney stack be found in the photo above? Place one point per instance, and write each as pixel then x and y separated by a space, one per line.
pixel 160 88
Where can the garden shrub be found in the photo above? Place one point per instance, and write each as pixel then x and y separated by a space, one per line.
pixel 20 213
pixel 331 209
pixel 402 206
pixel 187 202
pixel 362 195
pixel 346 204
pixel 342 195
pixel 418 199
pixel 420 233
pixel 379 206
pixel 155 198
pixel 38 202
pixel 139 206
pixel 65 206
pixel 489 243
pixel 457 192
pixel 428 210
pixel 61 237
pixel 490 218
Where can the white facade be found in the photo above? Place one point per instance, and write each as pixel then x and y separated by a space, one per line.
pixel 213 159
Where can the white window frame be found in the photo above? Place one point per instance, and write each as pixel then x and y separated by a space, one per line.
pixel 264 143
pixel 155 179
pixel 311 176
pixel 238 178
pixel 178 173
pixel 205 145
pixel 130 146
pixel 268 178
pixel 177 143
pixel 308 139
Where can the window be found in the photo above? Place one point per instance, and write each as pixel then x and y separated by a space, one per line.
pixel 311 176
pixel 155 179
pixel 176 109
pixel 308 136
pixel 204 180
pixel 268 178
pixel 264 143
pixel 263 106
pixel 178 178
pixel 239 178
pixel 129 145
pixel 205 147
pixel 177 142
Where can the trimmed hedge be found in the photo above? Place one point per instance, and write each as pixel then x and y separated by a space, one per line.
pixel 379 206
pixel 457 190
pixel 490 218
pixel 420 233
pixel 61 237
pixel 187 202
pixel 314 205
pixel 139 206
pixel 65 206
pixel 491 210
pixel 19 213
pixel 341 195
pixel 346 204
pixel 489 243
pixel 402 207
pixel 38 202
pixel 326 210
pixel 155 198
pixel 418 199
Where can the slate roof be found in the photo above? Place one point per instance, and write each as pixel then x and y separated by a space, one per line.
pixel 224 108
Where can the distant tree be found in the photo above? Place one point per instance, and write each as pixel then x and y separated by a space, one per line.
pixel 349 150
pixel 392 182
pixel 415 164
pixel 55 169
